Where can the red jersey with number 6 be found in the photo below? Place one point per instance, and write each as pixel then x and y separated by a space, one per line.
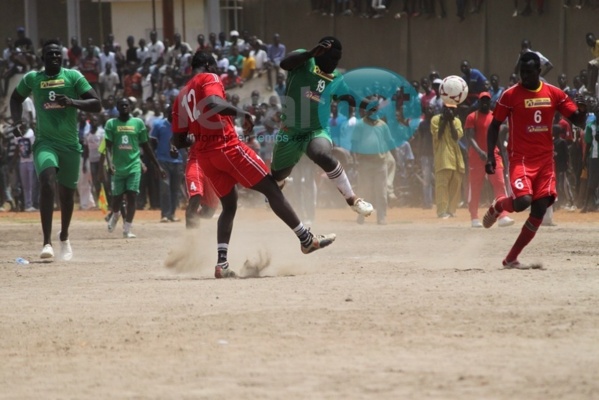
pixel 530 114
pixel 191 114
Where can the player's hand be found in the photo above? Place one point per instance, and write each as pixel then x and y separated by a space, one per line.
pixel 112 170
pixel 248 123
pixel 490 166
pixel 63 100
pixel 321 48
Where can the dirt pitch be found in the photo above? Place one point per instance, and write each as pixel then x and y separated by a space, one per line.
pixel 416 309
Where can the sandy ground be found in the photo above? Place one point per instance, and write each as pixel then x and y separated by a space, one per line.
pixel 416 309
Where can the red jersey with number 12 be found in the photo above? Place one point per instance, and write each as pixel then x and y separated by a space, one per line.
pixel 190 114
pixel 530 114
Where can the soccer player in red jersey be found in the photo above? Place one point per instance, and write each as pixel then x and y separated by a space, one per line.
pixel 201 110
pixel 530 106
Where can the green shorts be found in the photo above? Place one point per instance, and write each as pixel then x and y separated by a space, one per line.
pixel 66 159
pixel 290 145
pixel 125 183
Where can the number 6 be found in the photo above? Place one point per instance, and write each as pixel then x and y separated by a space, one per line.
pixel 519 184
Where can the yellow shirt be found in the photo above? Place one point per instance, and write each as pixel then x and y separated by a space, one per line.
pixel 249 65
pixel 447 153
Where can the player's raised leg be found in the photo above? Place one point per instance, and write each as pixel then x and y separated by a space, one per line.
pixel 320 150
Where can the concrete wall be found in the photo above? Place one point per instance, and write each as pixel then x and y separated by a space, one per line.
pixel 135 18
pixel 412 47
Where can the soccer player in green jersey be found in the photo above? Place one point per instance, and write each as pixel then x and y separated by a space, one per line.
pixel 309 74
pixel 57 94
pixel 124 137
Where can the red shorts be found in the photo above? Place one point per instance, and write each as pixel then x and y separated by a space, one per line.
pixel 198 184
pixel 237 164
pixel 536 179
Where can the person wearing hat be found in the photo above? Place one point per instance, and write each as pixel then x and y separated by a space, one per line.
pixel 449 167
pixel 476 125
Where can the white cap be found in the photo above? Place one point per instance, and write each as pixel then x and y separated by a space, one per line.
pixel 437 81
pixel 234 33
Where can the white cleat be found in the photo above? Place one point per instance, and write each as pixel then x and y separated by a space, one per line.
pixel 66 252
pixel 129 235
pixel 362 207
pixel 47 252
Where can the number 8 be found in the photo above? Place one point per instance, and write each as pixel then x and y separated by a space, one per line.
pixel 52 95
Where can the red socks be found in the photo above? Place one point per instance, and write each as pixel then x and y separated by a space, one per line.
pixel 506 204
pixel 528 232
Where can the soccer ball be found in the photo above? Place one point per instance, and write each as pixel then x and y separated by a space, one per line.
pixel 453 90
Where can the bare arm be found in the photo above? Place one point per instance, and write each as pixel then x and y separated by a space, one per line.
pixel 470 136
pixel 296 58
pixel 492 136
pixel 89 101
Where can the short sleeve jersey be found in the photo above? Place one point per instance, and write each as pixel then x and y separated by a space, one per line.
pixel 530 114
pixel 55 122
pixel 305 87
pixel 480 123
pixel 126 138
pixel 191 115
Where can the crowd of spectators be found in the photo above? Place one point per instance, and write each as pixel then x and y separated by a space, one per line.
pixel 150 73
pixel 428 8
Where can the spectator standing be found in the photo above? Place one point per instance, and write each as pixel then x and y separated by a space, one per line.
pixel 495 90
pixel 131 52
pixel 109 81
pixel 591 138
pixel 371 141
pixel 446 130
pixel 424 139
pixel 593 66
pixel 525 46
pixel 477 124
pixel 170 186
pixel 90 68
pixel 275 52
pixel 74 53
pixel 91 153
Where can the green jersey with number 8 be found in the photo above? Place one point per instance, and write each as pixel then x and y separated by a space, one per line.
pixel 126 138
pixel 55 122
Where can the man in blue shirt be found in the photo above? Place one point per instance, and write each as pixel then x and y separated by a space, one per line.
pixel 171 186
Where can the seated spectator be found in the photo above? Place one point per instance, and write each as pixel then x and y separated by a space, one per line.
pixel 235 58
pixel 231 80
pixel 248 68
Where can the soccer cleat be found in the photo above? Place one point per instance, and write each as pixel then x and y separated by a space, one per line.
pixel 515 264
pixel 222 270
pixel 47 252
pixel 505 221
pixel 129 235
pixel 476 223
pixel 362 207
pixel 491 215
pixel 113 221
pixel 318 242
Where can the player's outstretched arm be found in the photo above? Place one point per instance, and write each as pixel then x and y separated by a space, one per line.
pixel 579 117
pixel 89 101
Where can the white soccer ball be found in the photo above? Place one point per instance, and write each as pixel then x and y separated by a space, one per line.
pixel 453 90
